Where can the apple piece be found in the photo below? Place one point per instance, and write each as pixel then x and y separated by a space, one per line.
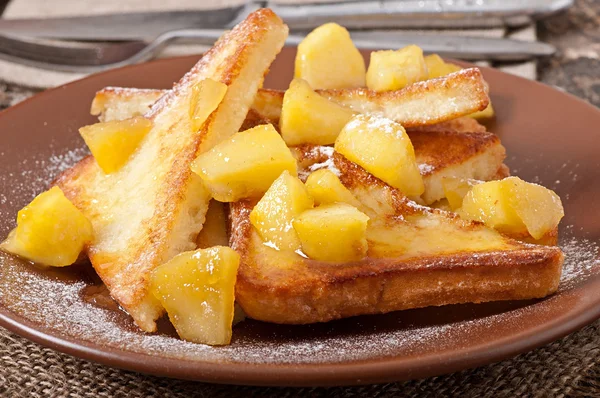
pixel 382 147
pixel 197 289
pixel 245 165
pixel 50 231
pixel 274 213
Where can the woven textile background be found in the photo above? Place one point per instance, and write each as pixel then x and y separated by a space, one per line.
pixel 565 368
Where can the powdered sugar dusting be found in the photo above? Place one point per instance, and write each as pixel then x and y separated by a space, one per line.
pixel 582 259
pixel 58 163
pixel 425 168
pixel 34 176
pixel 319 152
pixel 323 151
pixel 328 164
pixel 377 123
pixel 60 305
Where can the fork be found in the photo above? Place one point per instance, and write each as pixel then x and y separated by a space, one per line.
pixel 85 57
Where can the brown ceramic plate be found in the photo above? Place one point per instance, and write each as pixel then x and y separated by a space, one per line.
pixel 551 137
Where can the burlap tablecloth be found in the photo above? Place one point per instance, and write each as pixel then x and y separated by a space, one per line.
pixel 568 367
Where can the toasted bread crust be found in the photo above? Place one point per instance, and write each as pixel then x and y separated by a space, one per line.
pixel 421 104
pixel 464 124
pixel 502 172
pixel 442 149
pixel 283 287
pixel 154 207
pixel 441 154
pixel 321 292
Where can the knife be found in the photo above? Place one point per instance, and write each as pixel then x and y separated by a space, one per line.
pixel 351 14
pixel 90 57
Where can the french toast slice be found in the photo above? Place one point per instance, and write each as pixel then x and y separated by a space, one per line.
pixel 463 124
pixel 438 154
pixel 441 154
pixel 417 257
pixel 154 207
pixel 424 103
pixel 441 149
pixel 420 104
pixel 118 103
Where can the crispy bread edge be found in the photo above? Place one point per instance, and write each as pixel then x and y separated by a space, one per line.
pixel 132 294
pixel 405 106
pixel 326 291
pixel 385 285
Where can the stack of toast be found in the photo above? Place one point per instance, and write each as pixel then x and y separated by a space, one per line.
pixel 419 254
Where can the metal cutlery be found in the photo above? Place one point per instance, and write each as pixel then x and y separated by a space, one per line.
pixel 371 14
pixel 94 57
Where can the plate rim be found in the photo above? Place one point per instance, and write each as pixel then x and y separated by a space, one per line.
pixel 368 371
pixel 309 374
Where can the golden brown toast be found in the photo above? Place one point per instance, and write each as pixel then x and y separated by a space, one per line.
pixel 154 207
pixel 417 257
pixel 117 103
pixel 440 149
pixel 439 154
pixel 421 104
pixel 464 124
pixel 286 288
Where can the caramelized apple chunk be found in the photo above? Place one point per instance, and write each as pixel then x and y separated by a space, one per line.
pixel 437 67
pixel 487 113
pixel 50 231
pixel 455 189
pixel 197 289
pixel 538 207
pixel 393 70
pixel 489 203
pixel 513 206
pixel 334 232
pixel 327 58
pixel 274 213
pixel 112 143
pixel 245 165
pixel 308 118
pixel 383 148
pixel 326 188
pixel 205 98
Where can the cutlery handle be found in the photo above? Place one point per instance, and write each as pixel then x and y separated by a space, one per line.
pixel 418 13
pixel 463 47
